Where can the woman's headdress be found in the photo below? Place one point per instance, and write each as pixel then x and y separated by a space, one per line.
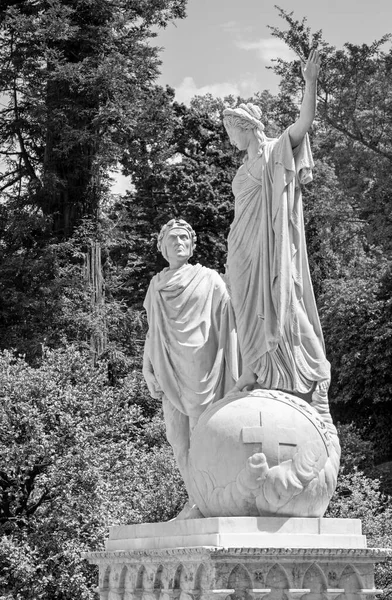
pixel 249 113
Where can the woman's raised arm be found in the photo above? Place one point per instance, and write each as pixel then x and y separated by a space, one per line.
pixel 310 72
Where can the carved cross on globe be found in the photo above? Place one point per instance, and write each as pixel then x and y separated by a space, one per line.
pixel 279 447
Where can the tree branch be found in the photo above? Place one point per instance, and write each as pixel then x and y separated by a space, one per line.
pixel 357 137
pixel 33 507
pixel 10 183
pixel 24 154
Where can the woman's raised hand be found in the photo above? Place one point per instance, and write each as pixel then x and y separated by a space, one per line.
pixel 311 68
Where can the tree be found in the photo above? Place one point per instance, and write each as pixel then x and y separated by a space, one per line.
pixel 354 117
pixel 359 496
pixel 333 231
pixel 185 170
pixel 357 327
pixel 76 453
pixel 75 75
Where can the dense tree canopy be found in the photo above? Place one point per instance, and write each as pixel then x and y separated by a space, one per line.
pixel 75 76
pixel 76 454
pixel 354 117
pixel 76 81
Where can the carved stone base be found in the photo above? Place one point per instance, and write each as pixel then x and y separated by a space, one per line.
pixel 269 564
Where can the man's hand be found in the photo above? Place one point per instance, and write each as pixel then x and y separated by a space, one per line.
pixel 311 68
pixel 148 372
pixel 152 383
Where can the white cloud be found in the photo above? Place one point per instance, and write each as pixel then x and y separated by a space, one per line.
pixel 188 88
pixel 235 27
pixel 267 49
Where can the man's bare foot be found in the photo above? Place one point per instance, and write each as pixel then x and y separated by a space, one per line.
pixel 188 512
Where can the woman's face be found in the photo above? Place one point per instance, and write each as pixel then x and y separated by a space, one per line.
pixel 241 138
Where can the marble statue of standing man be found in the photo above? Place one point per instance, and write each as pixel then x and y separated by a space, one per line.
pixel 190 354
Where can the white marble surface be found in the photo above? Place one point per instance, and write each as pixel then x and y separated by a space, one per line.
pixel 262 453
pixel 245 532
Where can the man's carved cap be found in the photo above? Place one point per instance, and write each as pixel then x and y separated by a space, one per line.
pixel 250 113
pixel 175 224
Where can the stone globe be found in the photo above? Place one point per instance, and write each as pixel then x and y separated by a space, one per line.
pixel 263 453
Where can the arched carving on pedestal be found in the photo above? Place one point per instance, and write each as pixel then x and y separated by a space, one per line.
pixel 159 578
pixel 182 584
pixel 148 579
pixel 351 582
pixel 186 584
pixel 161 583
pixel 177 578
pixel 201 580
pixel 116 582
pixel 123 575
pixel 277 580
pixel 315 580
pixel 140 579
pixel 240 581
pixel 130 583
pixel 104 585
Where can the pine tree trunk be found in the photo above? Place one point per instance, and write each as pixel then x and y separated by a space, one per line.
pixel 96 285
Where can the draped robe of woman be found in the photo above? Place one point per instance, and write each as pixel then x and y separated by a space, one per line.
pixel 278 327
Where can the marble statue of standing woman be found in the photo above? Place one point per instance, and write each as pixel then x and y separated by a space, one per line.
pixel 278 327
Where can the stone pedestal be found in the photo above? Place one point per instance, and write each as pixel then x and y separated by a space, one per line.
pixel 243 558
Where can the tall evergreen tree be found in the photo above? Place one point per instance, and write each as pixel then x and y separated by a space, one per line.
pixel 74 75
pixel 75 78
pixel 184 169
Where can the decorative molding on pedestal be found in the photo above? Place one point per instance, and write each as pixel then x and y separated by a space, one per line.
pixel 376 554
pixel 253 572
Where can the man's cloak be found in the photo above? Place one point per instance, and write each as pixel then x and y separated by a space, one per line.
pixel 192 342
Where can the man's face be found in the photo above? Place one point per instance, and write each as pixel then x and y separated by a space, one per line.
pixel 178 247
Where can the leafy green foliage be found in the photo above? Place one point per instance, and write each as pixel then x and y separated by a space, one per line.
pixel 354 84
pixel 82 444
pixel 333 232
pixel 76 453
pixel 359 496
pixel 353 118
pixel 185 170
pixel 47 298
pixel 357 328
pixel 76 75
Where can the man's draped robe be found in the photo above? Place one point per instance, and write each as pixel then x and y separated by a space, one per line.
pixel 192 342
pixel 192 348
pixel 279 331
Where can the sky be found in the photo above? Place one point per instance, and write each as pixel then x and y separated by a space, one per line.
pixel 224 46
